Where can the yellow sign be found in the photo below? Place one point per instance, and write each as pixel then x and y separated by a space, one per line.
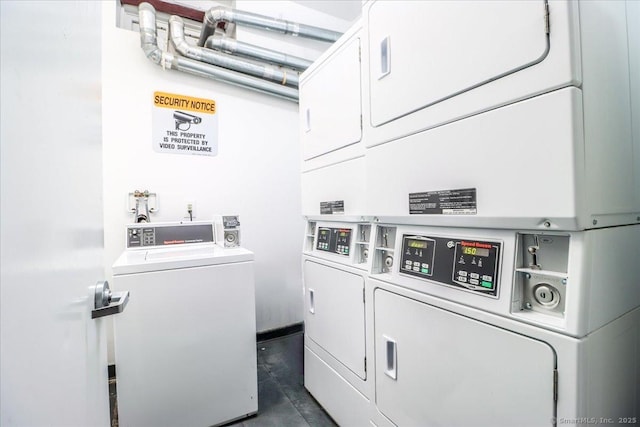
pixel 173 101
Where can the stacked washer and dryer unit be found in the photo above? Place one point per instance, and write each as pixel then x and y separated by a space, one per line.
pixel 471 183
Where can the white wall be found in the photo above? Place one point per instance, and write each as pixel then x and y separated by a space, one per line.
pixel 255 174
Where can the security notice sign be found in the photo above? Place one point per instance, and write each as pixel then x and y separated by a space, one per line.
pixel 184 125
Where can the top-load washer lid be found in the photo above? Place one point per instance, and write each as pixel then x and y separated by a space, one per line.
pixel 170 258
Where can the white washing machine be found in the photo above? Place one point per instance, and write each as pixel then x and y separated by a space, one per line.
pixel 186 348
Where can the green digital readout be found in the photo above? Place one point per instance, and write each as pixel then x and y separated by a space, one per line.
pixel 469 250
pixel 420 244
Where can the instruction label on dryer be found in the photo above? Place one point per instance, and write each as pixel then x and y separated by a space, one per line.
pixel 184 125
pixel 332 207
pixel 444 202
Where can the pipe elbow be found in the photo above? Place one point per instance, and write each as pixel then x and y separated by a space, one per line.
pixel 148 37
pixel 217 14
pixel 176 31
pixel 152 52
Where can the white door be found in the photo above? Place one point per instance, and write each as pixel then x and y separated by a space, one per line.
pixel 334 313
pixel 423 52
pixel 330 103
pixel 437 368
pixel 53 355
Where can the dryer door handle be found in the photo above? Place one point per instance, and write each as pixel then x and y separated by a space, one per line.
pixel 107 303
pixel 385 58
pixel 391 356
pixel 312 303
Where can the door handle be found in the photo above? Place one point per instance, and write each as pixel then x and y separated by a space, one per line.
pixel 391 352
pixel 307 127
pixel 385 57
pixel 312 304
pixel 107 303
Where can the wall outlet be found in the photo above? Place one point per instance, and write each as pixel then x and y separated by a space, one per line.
pixel 190 206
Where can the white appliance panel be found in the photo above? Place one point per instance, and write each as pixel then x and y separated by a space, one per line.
pixel 524 171
pixel 434 367
pixel 612 271
pixel 177 256
pixel 334 313
pixel 598 375
pixel 341 181
pixel 460 45
pixel 330 102
pixel 611 155
pixel 185 346
pixel 595 273
pixel 611 357
pixel 561 67
pixel 347 406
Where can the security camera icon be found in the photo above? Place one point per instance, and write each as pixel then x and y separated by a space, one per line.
pixel 183 119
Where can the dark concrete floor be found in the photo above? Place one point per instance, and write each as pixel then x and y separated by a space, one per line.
pixel 282 399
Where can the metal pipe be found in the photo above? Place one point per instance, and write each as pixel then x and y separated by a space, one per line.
pixel 232 46
pixel 221 14
pixel 149 43
pixel 267 72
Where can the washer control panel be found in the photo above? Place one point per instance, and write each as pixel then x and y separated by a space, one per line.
pixel 144 236
pixel 336 240
pixel 468 264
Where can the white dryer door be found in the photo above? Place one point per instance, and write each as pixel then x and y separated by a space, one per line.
pixel 330 103
pixel 422 52
pixel 334 313
pixel 434 367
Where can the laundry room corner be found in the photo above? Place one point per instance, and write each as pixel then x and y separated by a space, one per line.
pixel 255 174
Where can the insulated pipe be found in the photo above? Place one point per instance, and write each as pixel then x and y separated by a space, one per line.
pixel 267 72
pixel 222 14
pixel 230 45
pixel 149 43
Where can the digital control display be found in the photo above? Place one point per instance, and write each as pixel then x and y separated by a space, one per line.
pixel 422 244
pixel 468 264
pixel 467 250
pixel 336 240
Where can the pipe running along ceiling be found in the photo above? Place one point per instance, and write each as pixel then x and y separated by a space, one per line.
pixel 215 64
